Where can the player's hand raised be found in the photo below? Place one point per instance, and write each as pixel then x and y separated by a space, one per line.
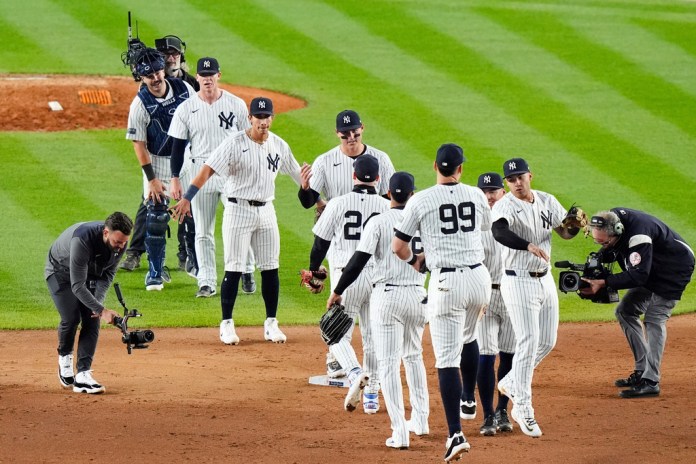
pixel 305 175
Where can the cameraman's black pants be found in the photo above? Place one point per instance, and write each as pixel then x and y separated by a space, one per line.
pixel 72 312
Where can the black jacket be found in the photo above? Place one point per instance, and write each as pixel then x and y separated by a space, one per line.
pixel 651 255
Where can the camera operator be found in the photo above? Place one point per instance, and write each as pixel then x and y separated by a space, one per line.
pixel 80 267
pixel 657 265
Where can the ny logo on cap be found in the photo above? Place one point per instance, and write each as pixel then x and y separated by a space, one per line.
pixel 346 119
pixel 512 165
pixel 486 179
pixel 262 104
pixel 206 64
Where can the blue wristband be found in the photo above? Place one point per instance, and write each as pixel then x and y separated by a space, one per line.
pixel 191 192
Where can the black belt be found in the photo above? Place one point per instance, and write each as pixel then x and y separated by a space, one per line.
pixel 495 286
pixel 251 202
pixel 452 269
pixel 531 274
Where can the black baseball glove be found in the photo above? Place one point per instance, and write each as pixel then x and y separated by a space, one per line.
pixel 334 324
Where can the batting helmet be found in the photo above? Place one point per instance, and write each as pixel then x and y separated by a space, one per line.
pixel 149 61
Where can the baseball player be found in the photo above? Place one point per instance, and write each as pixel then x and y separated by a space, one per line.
pixel 205 121
pixel 332 176
pixel 397 314
pixel 80 267
pixel 173 49
pixel 250 161
pixel 657 265
pixel 524 220
pixel 450 217
pixel 148 121
pixel 339 229
pixel 495 329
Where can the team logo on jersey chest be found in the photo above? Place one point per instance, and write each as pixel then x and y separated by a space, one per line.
pixel 546 219
pixel 273 162
pixel 228 121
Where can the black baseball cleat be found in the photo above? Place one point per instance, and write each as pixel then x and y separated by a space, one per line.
pixel 456 445
pixel 631 381
pixel 645 388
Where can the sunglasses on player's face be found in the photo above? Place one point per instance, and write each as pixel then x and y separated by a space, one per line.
pixel 346 134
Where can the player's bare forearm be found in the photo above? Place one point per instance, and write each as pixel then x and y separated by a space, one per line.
pixel 401 248
pixel 202 177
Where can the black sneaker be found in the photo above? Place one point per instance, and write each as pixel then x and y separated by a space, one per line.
pixel 631 381
pixel 504 424
pixel 490 426
pixel 131 262
pixel 642 389
pixel 456 445
pixel 248 284
pixel 205 292
pixel 182 260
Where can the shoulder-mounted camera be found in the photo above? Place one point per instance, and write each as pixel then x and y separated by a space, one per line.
pixel 594 269
pixel 137 339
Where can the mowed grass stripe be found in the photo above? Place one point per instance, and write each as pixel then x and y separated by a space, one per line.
pixel 56 33
pixel 563 36
pixel 583 98
pixel 20 51
pixel 676 32
pixel 475 110
pixel 643 48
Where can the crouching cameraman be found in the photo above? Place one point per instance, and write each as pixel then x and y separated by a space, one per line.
pixel 657 265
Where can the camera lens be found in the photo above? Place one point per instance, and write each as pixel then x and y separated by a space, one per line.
pixel 570 281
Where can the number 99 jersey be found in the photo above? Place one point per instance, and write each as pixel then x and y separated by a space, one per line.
pixel 450 218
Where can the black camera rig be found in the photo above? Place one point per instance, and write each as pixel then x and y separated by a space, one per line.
pixel 594 269
pixel 136 338
pixel 135 46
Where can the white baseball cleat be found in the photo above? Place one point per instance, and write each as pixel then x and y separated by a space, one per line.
pixel 228 336
pixel 354 392
pixel 505 389
pixel 65 370
pixel 528 425
pixel 85 383
pixel 456 445
pixel 467 410
pixel 271 332
pixel 333 367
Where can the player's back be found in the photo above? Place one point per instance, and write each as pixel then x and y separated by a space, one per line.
pixel 450 218
pixel 343 221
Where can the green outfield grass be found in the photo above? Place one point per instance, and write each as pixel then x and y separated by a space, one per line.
pixel 598 96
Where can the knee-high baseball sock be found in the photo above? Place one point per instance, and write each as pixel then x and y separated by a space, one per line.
pixel 451 391
pixel 469 367
pixel 486 382
pixel 270 288
pixel 504 367
pixel 228 293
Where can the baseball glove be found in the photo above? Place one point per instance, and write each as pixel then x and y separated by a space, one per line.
pixel 576 218
pixel 334 324
pixel 314 280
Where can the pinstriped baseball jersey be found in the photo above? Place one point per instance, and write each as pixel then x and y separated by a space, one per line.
pixel 205 126
pixel 343 220
pixel 376 240
pixel 533 222
pixel 440 213
pixel 252 167
pixel 493 260
pixel 332 172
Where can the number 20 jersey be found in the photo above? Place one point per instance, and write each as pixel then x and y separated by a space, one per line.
pixel 450 218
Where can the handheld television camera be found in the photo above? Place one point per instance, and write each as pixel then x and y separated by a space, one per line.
pixel 594 268
pixel 137 339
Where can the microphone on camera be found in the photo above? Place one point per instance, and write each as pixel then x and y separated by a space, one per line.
pixel 562 264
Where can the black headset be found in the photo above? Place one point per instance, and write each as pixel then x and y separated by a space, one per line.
pixel 164 45
pixel 599 221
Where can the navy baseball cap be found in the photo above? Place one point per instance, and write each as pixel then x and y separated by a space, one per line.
pixel 347 120
pixel 515 166
pixel 366 168
pixel 490 180
pixel 149 61
pixel 449 155
pixel 261 105
pixel 401 185
pixel 207 66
